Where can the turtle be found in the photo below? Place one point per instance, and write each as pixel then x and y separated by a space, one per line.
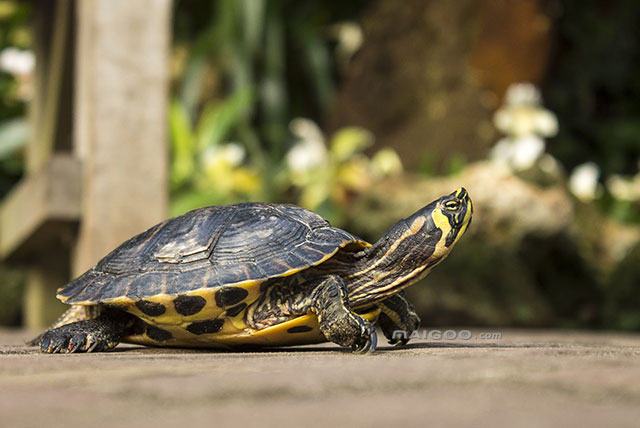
pixel 256 275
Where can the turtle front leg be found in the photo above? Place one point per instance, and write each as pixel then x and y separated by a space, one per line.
pixel 330 303
pixel 94 335
pixel 398 319
pixel 326 297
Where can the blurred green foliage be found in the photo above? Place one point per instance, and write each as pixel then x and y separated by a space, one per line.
pixel 327 174
pixel 14 32
pixel 243 70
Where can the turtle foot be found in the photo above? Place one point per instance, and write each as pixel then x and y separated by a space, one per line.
pixel 100 334
pixel 352 331
pixel 56 342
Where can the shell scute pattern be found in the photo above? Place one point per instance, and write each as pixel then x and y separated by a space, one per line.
pixel 209 248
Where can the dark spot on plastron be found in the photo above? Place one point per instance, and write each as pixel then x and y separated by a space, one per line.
pixel 235 310
pixel 299 329
pixel 208 326
pixel 158 334
pixel 189 305
pixel 229 296
pixel 150 308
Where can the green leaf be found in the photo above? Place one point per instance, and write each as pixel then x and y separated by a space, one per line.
pixel 252 16
pixel 182 144
pixel 219 118
pixel 348 142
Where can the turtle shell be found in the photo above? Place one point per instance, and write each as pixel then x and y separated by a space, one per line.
pixel 232 247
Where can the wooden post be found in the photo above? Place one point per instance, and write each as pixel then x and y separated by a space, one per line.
pixel 51 109
pixel 50 120
pixel 120 129
pixel 113 181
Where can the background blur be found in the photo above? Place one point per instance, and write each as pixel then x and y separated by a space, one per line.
pixel 365 111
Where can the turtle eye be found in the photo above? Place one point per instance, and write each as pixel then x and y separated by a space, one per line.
pixel 452 205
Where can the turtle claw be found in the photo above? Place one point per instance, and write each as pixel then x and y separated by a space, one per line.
pixel 398 342
pixel 56 343
pixel 369 346
pixel 59 348
pixel 93 344
pixel 76 343
pixel 44 344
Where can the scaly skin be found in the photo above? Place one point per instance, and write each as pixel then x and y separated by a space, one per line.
pixel 337 322
pixel 398 315
pixel 326 297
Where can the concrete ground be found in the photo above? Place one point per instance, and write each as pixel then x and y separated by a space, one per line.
pixel 525 379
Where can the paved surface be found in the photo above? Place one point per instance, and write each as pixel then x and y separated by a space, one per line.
pixel 526 379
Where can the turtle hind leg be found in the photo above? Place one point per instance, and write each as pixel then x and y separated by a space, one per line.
pixel 75 313
pixel 398 319
pixel 93 335
pixel 330 303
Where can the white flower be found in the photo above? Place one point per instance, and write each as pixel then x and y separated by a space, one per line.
pixel 524 122
pixel 623 188
pixel 17 62
pixel 523 114
pixel 230 154
pixel 523 93
pixel 311 150
pixel 546 123
pixel 501 152
pixel 349 36
pixel 519 153
pixel 306 130
pixel 527 150
pixel 583 182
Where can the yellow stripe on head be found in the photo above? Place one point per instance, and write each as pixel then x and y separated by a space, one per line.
pixel 441 221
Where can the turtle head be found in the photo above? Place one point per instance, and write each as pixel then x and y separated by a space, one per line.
pixel 451 215
pixel 414 246
pixel 435 229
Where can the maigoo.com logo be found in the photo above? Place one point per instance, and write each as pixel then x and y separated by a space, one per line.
pixel 446 335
